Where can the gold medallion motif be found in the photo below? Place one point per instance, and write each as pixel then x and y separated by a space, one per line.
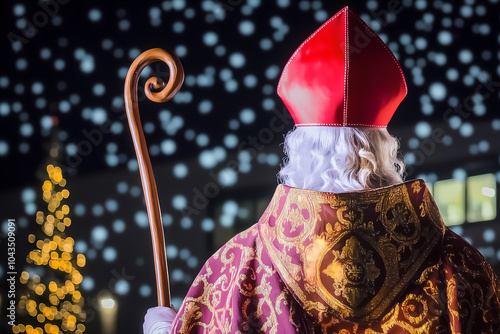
pixel 353 273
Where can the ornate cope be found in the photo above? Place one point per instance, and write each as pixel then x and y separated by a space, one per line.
pixel 366 262
pixel 351 254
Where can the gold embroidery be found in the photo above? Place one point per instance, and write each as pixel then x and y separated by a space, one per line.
pixel 415 309
pixel 353 272
pixel 372 265
pixel 416 187
pixel 369 236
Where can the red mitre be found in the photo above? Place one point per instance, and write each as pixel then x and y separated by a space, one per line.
pixel 342 75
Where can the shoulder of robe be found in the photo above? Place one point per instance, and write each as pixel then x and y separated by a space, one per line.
pixel 472 285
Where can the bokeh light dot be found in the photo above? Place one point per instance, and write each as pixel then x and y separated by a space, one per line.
pixel 109 254
pixel 145 290
pixel 179 202
pixel 246 27
pixel 180 170
pixel 95 15
pixel 99 234
pixel 210 38
pixel 465 56
pixel 141 219
pixel 445 37
pixel 437 91
pixel 122 287
pixel 466 130
pixel 247 116
pixel 168 147
pixel 207 225
pixel 205 106
pixel 237 60
pixel 119 226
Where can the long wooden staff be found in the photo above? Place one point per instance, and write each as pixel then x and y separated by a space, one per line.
pixel 155 91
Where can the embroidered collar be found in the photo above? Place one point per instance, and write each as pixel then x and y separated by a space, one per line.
pixel 352 254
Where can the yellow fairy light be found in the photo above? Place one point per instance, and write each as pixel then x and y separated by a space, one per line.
pixel 52 286
pixel 40 217
pixel 66 256
pixel 53 299
pixel 47 186
pixel 76 296
pixel 80 260
pixel 57 176
pixel 68 267
pixel 59 214
pixel 56 251
pixel 41 307
pixel 59 196
pixel 60 293
pixel 54 264
pixel 67 247
pixel 25 275
pixel 67 221
pixel 69 285
pixel 46 195
pixel 77 279
pixel 51 207
pixel 30 304
pixel 61 227
pixel 48 229
pixel 39 289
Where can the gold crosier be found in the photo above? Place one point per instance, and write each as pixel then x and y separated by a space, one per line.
pixel 156 91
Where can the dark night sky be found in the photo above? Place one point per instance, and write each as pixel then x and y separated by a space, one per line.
pixel 67 79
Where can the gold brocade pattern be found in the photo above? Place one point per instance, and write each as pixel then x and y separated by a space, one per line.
pixel 353 272
pixel 368 262
pixel 360 249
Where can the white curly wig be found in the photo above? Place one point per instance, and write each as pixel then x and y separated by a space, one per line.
pixel 339 159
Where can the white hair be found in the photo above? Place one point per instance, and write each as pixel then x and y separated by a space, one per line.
pixel 338 159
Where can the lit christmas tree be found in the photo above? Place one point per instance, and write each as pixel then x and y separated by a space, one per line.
pixel 54 300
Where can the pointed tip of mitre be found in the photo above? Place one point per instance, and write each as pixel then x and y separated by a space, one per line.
pixel 342 75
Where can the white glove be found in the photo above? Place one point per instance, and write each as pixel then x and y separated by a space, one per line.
pixel 158 320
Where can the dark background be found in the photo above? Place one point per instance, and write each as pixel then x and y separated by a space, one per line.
pixel 64 79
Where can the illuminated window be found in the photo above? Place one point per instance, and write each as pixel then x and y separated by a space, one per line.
pixel 450 198
pixel 481 198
